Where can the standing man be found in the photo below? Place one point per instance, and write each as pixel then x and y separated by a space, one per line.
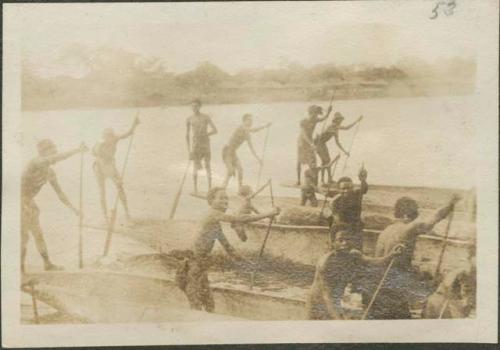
pixel 240 135
pixel 392 301
pixel 37 173
pixel 105 167
pixel 199 144
pixel 193 276
pixel 305 147
pixel 322 139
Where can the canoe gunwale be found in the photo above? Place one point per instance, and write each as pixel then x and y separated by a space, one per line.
pixel 325 229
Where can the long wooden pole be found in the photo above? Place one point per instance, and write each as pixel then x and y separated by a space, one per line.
pixel 262 188
pixel 380 284
pixel 34 303
pixel 323 127
pixel 336 160
pixel 445 243
pixel 350 147
pixel 111 225
pixel 444 307
pixel 80 218
pixel 261 252
pixel 262 158
pixel 179 192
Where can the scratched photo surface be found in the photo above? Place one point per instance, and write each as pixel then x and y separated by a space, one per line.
pixel 238 162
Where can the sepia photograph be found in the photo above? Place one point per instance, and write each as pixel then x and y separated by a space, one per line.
pixel 191 168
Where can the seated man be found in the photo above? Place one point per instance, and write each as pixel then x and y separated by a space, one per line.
pixel 334 271
pixel 192 277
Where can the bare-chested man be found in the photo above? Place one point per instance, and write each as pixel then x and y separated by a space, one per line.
pixel 305 147
pixel 334 271
pixel 392 301
pixel 240 135
pixel 199 144
pixel 36 174
pixel 322 139
pixel 196 285
pixel 105 166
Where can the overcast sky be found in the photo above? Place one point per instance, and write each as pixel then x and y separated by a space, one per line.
pixel 237 36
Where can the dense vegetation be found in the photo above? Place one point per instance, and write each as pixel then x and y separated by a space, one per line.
pixel 117 78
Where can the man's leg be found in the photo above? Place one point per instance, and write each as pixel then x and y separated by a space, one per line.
pixel 194 286
pixel 24 243
pixel 121 192
pixel 299 171
pixel 40 244
pixel 101 183
pixel 208 169
pixel 229 169
pixel 206 293
pixel 195 179
pixel 239 171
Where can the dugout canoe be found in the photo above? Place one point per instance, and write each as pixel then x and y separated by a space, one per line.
pixel 98 296
pixel 294 243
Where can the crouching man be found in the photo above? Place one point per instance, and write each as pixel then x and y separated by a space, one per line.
pixel 334 271
pixel 192 276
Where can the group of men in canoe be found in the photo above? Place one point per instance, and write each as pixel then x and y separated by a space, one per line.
pixel 344 265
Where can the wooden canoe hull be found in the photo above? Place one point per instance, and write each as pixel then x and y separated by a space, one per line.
pixel 97 296
pixel 305 244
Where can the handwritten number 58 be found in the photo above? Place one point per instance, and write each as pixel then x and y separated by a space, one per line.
pixel 449 6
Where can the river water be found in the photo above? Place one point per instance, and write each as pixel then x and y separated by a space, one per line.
pixel 405 141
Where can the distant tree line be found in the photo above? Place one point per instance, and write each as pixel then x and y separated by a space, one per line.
pixel 118 78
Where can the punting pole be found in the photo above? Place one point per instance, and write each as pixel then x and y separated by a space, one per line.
pixel 380 284
pixel 445 243
pixel 350 148
pixel 261 252
pixel 336 161
pixel 326 120
pixel 111 224
pixel 34 303
pixel 179 192
pixel 263 154
pixel 80 217
pixel 444 307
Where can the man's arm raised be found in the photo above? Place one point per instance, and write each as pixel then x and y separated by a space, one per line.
pixel 425 226
pixel 362 175
pixel 327 114
pixel 248 217
pixel 379 261
pixel 347 127
pixel 50 160
pixel 261 127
